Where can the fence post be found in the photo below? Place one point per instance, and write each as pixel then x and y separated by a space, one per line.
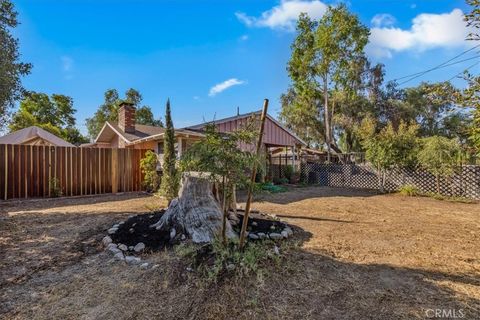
pixel 114 170
pixel 6 172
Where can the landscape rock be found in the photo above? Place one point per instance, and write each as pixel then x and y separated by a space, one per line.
pixel 115 250
pixel 130 248
pixel 183 237
pixel 275 236
pixel 110 246
pixel 139 247
pixel 284 234
pixel 261 235
pixel 230 267
pixel 173 233
pixel 119 256
pixel 289 231
pixel 254 223
pixel 131 230
pixel 132 260
pixel 112 230
pixel 253 236
pixel 122 247
pixel 276 250
pixel 106 240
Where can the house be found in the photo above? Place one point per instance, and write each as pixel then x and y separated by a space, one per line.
pixel 34 136
pixel 127 134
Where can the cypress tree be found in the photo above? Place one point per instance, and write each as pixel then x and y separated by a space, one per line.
pixel 170 178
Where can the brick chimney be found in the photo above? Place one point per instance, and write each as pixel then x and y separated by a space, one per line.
pixel 126 117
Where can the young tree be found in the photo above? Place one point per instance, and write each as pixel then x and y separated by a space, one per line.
pixel 220 157
pixel 389 148
pixel 170 177
pixel 11 69
pixel 439 156
pixel 55 114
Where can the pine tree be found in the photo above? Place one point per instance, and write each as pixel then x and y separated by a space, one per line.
pixel 170 178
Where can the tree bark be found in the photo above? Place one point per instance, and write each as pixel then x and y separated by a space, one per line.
pixel 195 212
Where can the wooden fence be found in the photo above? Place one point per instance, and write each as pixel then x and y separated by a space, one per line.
pixel 31 171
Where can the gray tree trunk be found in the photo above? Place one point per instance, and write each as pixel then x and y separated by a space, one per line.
pixel 195 212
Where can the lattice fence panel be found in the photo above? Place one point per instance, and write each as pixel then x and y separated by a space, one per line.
pixel 465 182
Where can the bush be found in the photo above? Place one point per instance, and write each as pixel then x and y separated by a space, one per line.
pixel 280 180
pixel 148 164
pixel 288 171
pixel 55 187
pixel 409 190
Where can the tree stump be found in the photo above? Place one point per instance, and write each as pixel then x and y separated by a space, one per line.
pixel 195 212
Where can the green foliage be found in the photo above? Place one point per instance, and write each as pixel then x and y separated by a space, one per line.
pixel 219 155
pixel 269 187
pixel 148 164
pixel 54 114
pixel 217 260
pixel 55 188
pixel 11 69
pixel 389 147
pixel 327 57
pixel 108 111
pixel 409 190
pixel 439 156
pixel 473 19
pixel 170 176
pixel 288 172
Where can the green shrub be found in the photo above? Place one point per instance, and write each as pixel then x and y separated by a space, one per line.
pixel 148 164
pixel 288 172
pixel 409 190
pixel 55 187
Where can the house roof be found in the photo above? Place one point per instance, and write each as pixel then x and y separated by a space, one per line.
pixel 147 133
pixel 142 133
pixel 27 134
pixel 247 115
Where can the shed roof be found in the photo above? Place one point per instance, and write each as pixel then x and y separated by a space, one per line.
pixel 27 134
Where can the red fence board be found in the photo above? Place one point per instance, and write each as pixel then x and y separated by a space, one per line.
pixel 29 171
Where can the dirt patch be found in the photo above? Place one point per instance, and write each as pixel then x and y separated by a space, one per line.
pixel 361 255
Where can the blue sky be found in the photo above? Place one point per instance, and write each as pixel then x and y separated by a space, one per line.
pixel 210 57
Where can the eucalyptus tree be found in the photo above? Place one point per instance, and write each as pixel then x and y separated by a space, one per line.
pixel 326 57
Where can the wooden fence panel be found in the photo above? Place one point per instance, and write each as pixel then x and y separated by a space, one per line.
pixel 29 171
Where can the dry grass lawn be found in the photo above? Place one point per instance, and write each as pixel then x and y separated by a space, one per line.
pixel 355 255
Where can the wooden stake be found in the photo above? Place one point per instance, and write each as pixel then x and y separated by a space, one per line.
pixel 252 177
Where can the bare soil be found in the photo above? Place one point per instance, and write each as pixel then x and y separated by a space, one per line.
pixel 354 255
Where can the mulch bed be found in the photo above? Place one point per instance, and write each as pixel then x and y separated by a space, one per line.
pixel 137 229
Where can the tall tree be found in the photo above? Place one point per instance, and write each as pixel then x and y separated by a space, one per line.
pixel 11 69
pixel 170 179
pixel 108 111
pixel 470 96
pixel 327 56
pixel 55 114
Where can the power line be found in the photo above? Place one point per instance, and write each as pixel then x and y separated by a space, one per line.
pixel 436 68
pixel 441 64
pixel 468 68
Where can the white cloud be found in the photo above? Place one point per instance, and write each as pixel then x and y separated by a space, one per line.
pixel 224 86
pixel 67 63
pixel 285 14
pixel 427 31
pixel 244 37
pixel 383 20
